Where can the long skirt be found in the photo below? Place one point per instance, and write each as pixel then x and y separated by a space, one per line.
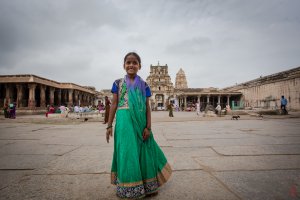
pixel 138 167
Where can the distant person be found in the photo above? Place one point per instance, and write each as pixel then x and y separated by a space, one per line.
pixel 177 108
pixel 12 110
pixel 76 109
pixel 100 106
pixel 170 108
pixel 51 110
pixel 283 105
pixel 107 108
pixel 62 108
pixel 218 109
pixel 6 110
pixel 227 109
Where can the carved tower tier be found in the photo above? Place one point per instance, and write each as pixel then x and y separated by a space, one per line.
pixel 180 82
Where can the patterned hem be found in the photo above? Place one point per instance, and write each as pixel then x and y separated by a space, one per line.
pixel 141 188
pixel 138 191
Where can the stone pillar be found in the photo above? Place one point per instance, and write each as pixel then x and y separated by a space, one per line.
pixel 43 95
pixel 87 100
pixel 219 99
pixel 31 99
pixel 8 90
pixel 51 96
pixel 59 97
pixel 207 99
pixel 76 96
pixel 185 103
pixel 84 100
pixel 65 97
pixel 228 103
pixel 70 103
pixel 20 95
pixel 199 101
pixel 79 99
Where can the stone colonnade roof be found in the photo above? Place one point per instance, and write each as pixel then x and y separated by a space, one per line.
pixel 30 78
pixel 280 76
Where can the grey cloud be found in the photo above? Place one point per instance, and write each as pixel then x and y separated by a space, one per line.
pixel 51 24
pixel 194 46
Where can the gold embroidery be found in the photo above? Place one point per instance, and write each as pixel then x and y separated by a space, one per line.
pixel 162 177
pixel 123 108
pixel 130 184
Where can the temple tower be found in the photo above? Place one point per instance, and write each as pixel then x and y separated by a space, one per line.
pixel 180 82
pixel 161 86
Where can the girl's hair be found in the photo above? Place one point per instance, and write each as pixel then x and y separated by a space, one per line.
pixel 135 55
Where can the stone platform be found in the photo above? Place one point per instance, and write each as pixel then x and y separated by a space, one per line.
pixel 212 158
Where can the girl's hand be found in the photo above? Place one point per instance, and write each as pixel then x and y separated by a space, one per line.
pixel 109 134
pixel 146 134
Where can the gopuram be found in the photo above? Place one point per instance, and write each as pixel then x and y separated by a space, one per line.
pixel 161 86
pixel 32 93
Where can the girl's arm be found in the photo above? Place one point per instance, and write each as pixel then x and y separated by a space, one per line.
pixel 148 113
pixel 111 117
pixel 147 129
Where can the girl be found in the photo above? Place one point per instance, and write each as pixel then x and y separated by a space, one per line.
pixel 139 166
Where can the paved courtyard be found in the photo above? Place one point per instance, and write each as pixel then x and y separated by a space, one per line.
pixel 212 158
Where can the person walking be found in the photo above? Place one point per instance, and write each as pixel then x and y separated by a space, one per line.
pixel 12 110
pixel 139 166
pixel 283 105
pixel 218 110
pixel 6 110
pixel 170 108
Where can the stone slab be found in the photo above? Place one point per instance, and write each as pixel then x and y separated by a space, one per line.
pixel 194 185
pixel 213 142
pixel 34 148
pixel 77 164
pixel 5 142
pixel 257 185
pixel 267 162
pixel 25 161
pixel 84 186
pixel 258 150
pixel 199 136
pixel 8 177
pixel 183 158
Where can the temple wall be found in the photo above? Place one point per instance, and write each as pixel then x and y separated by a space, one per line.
pixel 266 92
pixel 269 95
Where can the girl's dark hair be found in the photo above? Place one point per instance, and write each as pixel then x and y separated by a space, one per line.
pixel 133 54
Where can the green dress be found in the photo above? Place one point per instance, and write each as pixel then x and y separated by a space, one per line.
pixel 139 167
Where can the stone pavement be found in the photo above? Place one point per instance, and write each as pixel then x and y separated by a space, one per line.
pixel 212 158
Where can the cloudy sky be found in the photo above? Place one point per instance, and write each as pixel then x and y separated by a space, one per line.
pixel 217 43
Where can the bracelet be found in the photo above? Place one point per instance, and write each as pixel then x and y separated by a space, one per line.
pixel 108 127
pixel 149 129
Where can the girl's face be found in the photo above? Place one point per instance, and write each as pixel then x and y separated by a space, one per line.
pixel 132 65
